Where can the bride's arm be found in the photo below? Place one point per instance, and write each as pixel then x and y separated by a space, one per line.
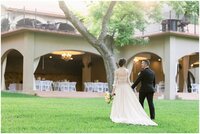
pixel 114 83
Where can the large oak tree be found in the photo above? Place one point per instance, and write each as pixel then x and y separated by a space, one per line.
pixel 112 24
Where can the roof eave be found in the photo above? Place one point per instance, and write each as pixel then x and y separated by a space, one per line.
pixel 20 30
pixel 168 33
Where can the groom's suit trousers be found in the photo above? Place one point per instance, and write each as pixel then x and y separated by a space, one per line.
pixel 142 96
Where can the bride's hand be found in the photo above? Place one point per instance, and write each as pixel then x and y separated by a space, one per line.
pixel 113 94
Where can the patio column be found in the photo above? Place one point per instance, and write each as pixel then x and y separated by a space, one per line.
pixel 185 72
pixel 169 67
pixel 3 69
pixel 28 63
pixel 86 71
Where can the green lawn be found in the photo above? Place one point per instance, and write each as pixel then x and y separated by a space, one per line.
pixel 25 113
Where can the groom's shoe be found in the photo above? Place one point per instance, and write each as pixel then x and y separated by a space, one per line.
pixel 152 118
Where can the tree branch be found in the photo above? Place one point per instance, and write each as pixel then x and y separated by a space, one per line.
pixel 77 23
pixel 120 21
pixel 105 21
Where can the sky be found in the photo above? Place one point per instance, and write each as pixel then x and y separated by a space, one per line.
pixel 50 6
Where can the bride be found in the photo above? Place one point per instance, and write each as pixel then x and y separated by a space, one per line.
pixel 126 107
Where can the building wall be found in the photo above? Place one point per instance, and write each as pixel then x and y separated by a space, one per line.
pixel 155 46
pixel 35 44
pixel 185 46
pixel 47 43
pixel 13 42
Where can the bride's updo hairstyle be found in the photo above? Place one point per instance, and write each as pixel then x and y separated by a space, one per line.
pixel 122 62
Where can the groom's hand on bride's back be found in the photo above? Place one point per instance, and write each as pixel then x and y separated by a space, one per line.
pixel 113 94
pixel 132 86
pixel 134 90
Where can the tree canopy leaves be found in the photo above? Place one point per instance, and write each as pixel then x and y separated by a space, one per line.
pixel 126 18
pixel 129 16
pixel 185 7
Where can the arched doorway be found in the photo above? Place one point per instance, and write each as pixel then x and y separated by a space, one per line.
pixel 155 65
pixel 187 72
pixel 13 70
pixel 71 66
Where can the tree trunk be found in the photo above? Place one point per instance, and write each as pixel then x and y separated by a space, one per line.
pixel 109 59
pixel 103 44
pixel 110 66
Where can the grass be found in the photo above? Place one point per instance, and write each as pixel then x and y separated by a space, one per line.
pixel 25 113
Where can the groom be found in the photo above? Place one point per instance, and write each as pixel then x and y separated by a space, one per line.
pixel 147 79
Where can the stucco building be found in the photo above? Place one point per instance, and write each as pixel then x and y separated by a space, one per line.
pixel 32 45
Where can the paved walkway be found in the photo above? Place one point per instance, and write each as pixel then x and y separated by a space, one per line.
pixel 187 96
pixel 62 94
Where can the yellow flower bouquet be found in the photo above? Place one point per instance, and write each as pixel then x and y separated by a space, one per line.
pixel 108 97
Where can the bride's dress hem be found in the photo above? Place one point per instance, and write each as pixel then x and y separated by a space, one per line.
pixel 133 122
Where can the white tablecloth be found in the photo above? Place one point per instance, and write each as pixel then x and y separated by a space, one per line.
pixel 47 85
pixel 95 87
pixel 43 85
pixel 15 86
pixel 64 86
pixel 195 88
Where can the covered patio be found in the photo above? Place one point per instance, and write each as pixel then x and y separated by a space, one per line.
pixel 34 59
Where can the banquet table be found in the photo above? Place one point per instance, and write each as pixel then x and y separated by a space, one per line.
pixel 95 87
pixel 64 86
pixel 15 86
pixel 47 85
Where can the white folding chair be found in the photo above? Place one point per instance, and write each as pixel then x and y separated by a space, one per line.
pixel 72 86
pixel 85 87
pixel 100 87
pixel 64 86
pixel 37 85
pixel 90 87
pixel 105 87
pixel 46 85
pixel 161 86
pixel 95 87
pixel 55 86
pixel 42 86
pixel 195 88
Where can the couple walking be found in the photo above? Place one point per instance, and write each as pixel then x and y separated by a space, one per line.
pixel 126 108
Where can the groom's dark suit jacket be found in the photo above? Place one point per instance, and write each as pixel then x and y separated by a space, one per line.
pixel 147 79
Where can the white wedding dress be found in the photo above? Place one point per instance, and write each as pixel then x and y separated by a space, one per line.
pixel 126 108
